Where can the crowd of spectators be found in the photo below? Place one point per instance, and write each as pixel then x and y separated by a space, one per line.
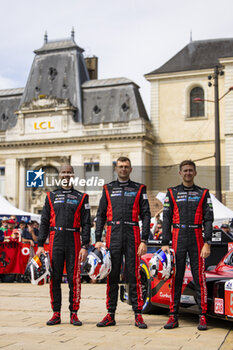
pixel 13 231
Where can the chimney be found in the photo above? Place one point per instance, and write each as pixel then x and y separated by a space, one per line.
pixel 92 66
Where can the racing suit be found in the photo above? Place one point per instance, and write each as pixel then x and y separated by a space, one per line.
pixel 187 209
pixel 121 205
pixel 64 212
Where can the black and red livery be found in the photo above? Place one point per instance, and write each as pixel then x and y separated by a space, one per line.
pixel 121 205
pixel 219 281
pixel 65 215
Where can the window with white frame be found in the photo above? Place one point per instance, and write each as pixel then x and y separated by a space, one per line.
pixel 197 106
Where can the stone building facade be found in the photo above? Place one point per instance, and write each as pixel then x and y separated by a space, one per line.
pixel 186 130
pixel 61 116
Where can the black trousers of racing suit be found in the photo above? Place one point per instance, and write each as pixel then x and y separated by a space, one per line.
pixel 187 209
pixel 65 212
pixel 121 205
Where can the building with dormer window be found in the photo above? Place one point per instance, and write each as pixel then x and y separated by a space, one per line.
pixel 64 116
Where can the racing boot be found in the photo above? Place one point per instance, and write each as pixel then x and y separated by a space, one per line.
pixel 56 319
pixel 202 323
pixel 139 322
pixel 172 322
pixel 108 320
pixel 74 320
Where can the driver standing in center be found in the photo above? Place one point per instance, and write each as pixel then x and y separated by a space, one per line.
pixel 121 204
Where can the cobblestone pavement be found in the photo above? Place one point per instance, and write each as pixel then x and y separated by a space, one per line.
pixel 26 308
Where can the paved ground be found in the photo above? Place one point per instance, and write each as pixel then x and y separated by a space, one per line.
pixel 25 309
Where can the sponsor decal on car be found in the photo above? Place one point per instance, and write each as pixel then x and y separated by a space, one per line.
pixel 229 298
pixel 164 295
pixel 230 246
pixel 229 285
pixel 219 306
pixel 187 299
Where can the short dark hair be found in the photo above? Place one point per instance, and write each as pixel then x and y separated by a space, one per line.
pixel 22 222
pixel 187 162
pixel 123 159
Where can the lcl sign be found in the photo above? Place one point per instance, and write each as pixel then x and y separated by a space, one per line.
pixel 43 125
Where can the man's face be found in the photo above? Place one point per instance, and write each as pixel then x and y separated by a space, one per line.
pixel 188 173
pixel 66 173
pixel 4 223
pixel 123 170
pixel 10 226
pixel 22 226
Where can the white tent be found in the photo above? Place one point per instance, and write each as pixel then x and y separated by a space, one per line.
pixel 7 209
pixel 221 212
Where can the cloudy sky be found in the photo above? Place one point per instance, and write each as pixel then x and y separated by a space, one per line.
pixel 130 37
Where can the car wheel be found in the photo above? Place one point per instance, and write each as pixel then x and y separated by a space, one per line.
pixel 146 288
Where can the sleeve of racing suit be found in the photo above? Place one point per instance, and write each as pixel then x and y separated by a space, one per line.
pixel 167 219
pixel 85 222
pixel 208 217
pixel 44 224
pixel 101 216
pixel 145 214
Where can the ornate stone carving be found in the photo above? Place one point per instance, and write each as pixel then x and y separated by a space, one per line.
pixel 45 102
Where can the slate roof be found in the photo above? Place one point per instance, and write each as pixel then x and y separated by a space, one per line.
pixel 9 103
pixel 112 100
pixel 58 70
pixel 57 45
pixel 202 54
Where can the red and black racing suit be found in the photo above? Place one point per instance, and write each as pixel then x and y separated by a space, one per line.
pixel 121 205
pixel 187 209
pixel 64 212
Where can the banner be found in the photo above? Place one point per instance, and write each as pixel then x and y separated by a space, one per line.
pixel 14 257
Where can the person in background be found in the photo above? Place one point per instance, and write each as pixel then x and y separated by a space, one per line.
pixel 225 227
pixel 36 227
pixel 93 225
pixel 22 226
pixel 28 235
pixel 4 224
pixel 12 234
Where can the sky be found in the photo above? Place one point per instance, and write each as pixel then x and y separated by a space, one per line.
pixel 130 37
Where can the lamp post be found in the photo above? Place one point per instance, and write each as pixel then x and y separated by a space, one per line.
pixel 218 180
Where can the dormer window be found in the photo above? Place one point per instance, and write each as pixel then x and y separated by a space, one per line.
pixel 96 109
pixel 52 73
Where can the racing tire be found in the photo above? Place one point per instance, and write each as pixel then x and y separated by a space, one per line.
pixel 146 290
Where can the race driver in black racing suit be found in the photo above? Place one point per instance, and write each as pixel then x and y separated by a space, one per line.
pixel 187 207
pixel 121 204
pixel 65 215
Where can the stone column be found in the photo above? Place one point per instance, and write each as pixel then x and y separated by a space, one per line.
pixel 22 189
pixel 11 176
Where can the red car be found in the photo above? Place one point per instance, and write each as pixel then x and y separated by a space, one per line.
pixel 219 280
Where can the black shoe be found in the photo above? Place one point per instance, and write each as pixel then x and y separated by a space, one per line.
pixel 139 322
pixel 202 323
pixel 108 320
pixel 172 322
pixel 74 320
pixel 56 319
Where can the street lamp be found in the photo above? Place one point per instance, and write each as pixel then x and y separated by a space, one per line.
pixel 218 182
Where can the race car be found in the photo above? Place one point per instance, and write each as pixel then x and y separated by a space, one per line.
pixel 219 280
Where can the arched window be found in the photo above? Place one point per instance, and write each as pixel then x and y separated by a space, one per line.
pixel 197 108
